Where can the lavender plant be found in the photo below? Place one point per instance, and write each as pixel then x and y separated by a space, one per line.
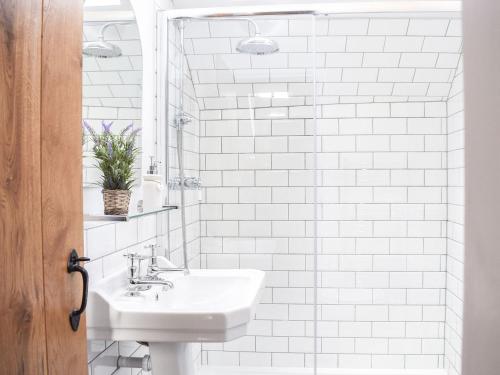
pixel 115 155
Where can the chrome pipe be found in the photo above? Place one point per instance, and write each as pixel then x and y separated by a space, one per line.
pixel 345 7
pixel 180 151
pixel 143 363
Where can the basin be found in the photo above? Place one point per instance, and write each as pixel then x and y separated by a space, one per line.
pixel 213 305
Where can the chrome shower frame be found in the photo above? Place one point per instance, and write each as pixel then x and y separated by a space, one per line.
pixel 334 8
pixel 181 119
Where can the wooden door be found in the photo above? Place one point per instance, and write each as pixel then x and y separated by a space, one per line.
pixel 61 181
pixel 40 186
pixel 22 342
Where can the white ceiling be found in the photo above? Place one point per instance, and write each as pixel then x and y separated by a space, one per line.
pixel 108 10
pixel 223 3
pixel 107 5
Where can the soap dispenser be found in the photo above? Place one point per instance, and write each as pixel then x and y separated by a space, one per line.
pixel 152 188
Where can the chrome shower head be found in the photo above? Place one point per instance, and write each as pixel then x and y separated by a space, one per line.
pixel 254 45
pixel 100 48
pixel 257 45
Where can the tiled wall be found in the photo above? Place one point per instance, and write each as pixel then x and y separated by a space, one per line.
pixel 382 91
pixel 383 105
pixel 382 237
pixel 106 244
pixel 379 59
pixel 455 259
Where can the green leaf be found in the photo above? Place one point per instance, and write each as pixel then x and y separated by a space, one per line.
pixel 115 156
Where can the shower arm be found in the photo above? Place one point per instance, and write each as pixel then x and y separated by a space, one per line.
pixel 108 24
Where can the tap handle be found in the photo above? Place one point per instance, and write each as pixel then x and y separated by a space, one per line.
pixel 135 257
pixel 134 266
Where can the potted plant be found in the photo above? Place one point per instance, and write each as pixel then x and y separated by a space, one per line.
pixel 115 155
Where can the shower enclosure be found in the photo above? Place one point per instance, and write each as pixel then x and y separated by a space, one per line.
pixel 334 162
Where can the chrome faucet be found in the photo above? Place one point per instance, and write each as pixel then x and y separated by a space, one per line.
pixel 153 268
pixel 134 273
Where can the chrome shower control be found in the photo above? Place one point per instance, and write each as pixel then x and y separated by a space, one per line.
pixel 190 183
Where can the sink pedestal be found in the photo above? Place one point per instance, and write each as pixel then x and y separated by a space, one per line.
pixel 171 358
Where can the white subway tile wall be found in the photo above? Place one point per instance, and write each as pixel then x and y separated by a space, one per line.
pixel 382 92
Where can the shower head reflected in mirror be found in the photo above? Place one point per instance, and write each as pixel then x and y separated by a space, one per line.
pixel 100 48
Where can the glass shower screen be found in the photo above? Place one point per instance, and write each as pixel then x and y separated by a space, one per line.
pixel 321 145
pixel 248 85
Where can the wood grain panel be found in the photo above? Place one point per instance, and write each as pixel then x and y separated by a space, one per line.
pixel 62 181
pixel 22 337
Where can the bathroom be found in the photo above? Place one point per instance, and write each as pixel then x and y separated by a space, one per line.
pixel 293 176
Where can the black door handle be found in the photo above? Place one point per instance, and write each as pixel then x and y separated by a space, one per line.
pixel 74 266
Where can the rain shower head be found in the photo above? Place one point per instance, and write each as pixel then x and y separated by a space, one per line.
pixel 100 48
pixel 257 45
pixel 254 45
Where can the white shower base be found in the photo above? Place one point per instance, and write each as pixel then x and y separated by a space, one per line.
pixel 206 370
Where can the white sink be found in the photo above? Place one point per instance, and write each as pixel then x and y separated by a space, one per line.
pixel 204 306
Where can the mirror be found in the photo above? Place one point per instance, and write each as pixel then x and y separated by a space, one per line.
pixel 112 85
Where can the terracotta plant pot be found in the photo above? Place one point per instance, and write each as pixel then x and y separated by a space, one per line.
pixel 116 202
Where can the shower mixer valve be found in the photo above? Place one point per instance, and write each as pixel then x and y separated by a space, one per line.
pixel 181 120
pixel 190 183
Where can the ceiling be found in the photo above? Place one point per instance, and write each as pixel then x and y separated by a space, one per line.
pixel 107 5
pixel 108 10
pixel 223 3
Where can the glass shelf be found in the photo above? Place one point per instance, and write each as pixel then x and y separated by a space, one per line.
pixel 131 215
